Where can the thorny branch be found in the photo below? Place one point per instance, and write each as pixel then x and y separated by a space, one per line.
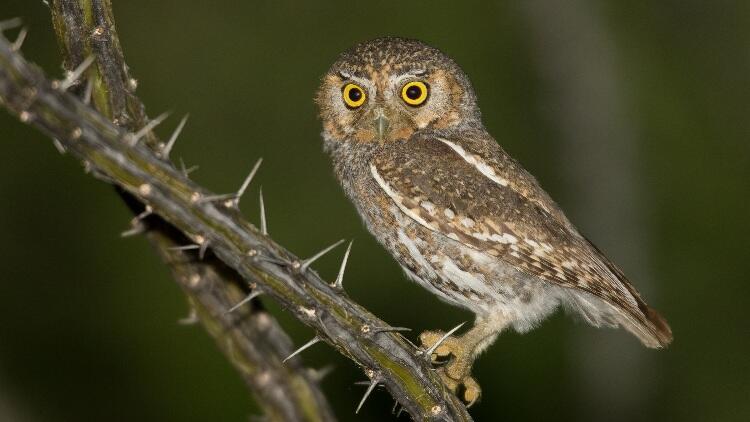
pixel 251 340
pixel 385 356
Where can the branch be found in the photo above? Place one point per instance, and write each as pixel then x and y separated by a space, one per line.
pixel 385 356
pixel 252 341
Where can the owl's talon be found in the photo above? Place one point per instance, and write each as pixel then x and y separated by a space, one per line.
pixel 457 371
pixel 472 391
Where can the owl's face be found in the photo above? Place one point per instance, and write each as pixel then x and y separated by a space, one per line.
pixel 389 88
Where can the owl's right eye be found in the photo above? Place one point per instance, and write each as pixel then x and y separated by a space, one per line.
pixel 354 95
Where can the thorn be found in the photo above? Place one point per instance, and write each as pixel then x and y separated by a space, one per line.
pixel 306 263
pixel 101 176
pixel 136 229
pixel 186 171
pixel 302 348
pixel 372 386
pixel 190 169
pixel 339 283
pixel 273 260
pixel 59 146
pixel 437 344
pixel 88 91
pixel 172 139
pixel 389 329
pixel 146 212
pixel 395 407
pixel 202 250
pixel 246 183
pixel 263 224
pixel 184 248
pixel 75 74
pixel 319 374
pixel 135 137
pixel 20 39
pixel 398 415
pixel 247 299
pixel 214 198
pixel 308 312
pixel 10 24
pixel 191 319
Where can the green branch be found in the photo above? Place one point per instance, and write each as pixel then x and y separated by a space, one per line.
pixel 252 341
pixel 385 356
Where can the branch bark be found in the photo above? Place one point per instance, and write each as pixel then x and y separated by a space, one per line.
pixel 252 340
pixel 386 357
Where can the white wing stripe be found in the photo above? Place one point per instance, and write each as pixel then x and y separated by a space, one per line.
pixel 397 198
pixel 477 162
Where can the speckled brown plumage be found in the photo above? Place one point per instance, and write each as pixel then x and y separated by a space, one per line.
pixel 462 217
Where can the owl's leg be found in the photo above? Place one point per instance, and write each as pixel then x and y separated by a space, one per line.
pixel 461 351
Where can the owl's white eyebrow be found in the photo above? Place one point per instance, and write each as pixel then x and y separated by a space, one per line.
pixel 413 73
pixel 410 74
pixel 361 81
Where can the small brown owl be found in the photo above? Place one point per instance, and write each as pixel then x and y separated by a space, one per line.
pixel 464 220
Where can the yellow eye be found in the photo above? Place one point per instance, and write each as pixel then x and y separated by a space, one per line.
pixel 414 93
pixel 354 96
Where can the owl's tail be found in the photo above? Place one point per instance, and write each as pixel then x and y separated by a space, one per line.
pixel 643 322
pixel 650 327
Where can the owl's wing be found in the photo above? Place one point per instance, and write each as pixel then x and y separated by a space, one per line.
pixel 474 193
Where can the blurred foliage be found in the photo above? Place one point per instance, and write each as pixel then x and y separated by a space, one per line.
pixel 87 326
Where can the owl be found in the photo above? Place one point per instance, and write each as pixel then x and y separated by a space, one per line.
pixel 464 219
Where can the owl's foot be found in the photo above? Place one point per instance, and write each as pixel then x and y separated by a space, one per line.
pixel 457 355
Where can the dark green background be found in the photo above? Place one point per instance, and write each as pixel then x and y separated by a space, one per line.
pixel 88 321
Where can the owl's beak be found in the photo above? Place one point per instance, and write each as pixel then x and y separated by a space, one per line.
pixel 381 125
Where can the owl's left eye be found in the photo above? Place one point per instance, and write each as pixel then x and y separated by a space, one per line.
pixel 354 95
pixel 414 93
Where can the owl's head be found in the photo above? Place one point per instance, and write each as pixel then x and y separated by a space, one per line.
pixel 388 88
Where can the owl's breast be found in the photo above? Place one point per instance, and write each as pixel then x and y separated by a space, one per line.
pixel 351 165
